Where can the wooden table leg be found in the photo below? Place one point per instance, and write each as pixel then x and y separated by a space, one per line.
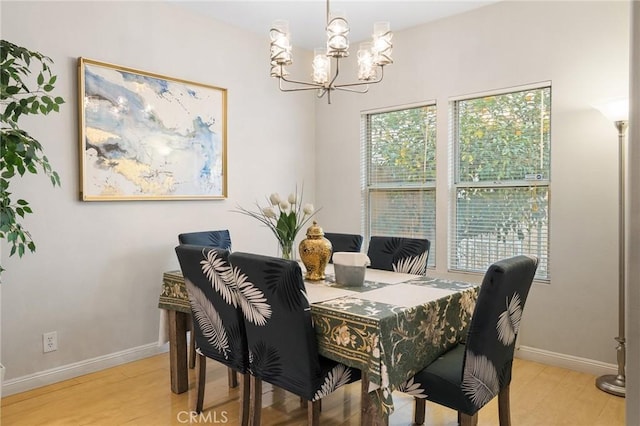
pixel 370 413
pixel 178 351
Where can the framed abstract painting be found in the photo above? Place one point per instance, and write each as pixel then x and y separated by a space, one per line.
pixel 145 136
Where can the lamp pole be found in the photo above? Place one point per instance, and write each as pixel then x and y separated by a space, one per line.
pixel 615 384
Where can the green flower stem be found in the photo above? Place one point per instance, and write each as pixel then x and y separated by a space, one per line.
pixel 287 250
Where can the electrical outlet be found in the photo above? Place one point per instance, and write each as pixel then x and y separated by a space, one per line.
pixel 50 341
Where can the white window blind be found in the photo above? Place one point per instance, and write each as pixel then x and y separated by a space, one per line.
pixel 399 173
pixel 501 179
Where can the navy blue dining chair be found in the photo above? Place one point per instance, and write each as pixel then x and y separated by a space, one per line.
pixel 407 255
pixel 218 323
pixel 220 239
pixel 473 372
pixel 343 242
pixel 283 348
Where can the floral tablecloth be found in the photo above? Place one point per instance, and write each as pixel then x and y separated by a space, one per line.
pixel 391 331
pixel 173 295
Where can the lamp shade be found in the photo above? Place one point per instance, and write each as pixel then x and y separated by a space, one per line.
pixel 337 35
pixel 366 68
pixel 614 109
pixel 321 66
pixel 382 45
pixel 280 43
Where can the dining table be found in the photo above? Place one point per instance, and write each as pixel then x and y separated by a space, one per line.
pixel 389 328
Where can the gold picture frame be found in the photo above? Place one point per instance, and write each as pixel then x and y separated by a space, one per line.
pixel 145 136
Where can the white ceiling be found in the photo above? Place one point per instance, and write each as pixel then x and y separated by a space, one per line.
pixel 307 18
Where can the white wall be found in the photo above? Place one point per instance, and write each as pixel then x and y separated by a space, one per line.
pixel 96 275
pixel 583 49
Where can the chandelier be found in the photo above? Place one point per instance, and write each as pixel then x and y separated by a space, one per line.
pixel 372 57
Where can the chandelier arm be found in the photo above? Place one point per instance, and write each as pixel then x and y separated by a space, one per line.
pixel 305 83
pixel 294 89
pixel 361 83
pixel 354 90
pixel 338 86
pixel 283 89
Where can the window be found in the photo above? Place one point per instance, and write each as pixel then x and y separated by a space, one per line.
pixel 400 173
pixel 501 179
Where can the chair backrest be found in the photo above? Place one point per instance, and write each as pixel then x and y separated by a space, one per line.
pixel 218 321
pixel 282 342
pixel 494 327
pixel 220 239
pixel 343 242
pixel 408 255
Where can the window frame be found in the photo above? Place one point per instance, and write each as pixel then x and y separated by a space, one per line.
pixel 456 184
pixel 367 188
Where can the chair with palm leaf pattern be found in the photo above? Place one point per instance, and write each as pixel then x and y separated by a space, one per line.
pixel 282 341
pixel 471 374
pixel 343 242
pixel 220 239
pixel 407 255
pixel 217 318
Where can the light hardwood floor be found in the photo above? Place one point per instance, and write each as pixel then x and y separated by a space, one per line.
pixel 138 393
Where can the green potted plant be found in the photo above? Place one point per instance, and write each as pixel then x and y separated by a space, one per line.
pixel 22 92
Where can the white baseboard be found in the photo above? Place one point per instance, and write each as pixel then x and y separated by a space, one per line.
pixel 569 362
pixel 69 371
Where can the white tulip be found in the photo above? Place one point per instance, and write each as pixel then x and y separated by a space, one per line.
pixel 292 198
pixel 284 205
pixel 274 198
pixel 308 209
pixel 269 212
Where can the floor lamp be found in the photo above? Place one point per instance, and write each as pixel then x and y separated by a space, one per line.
pixel 617 111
